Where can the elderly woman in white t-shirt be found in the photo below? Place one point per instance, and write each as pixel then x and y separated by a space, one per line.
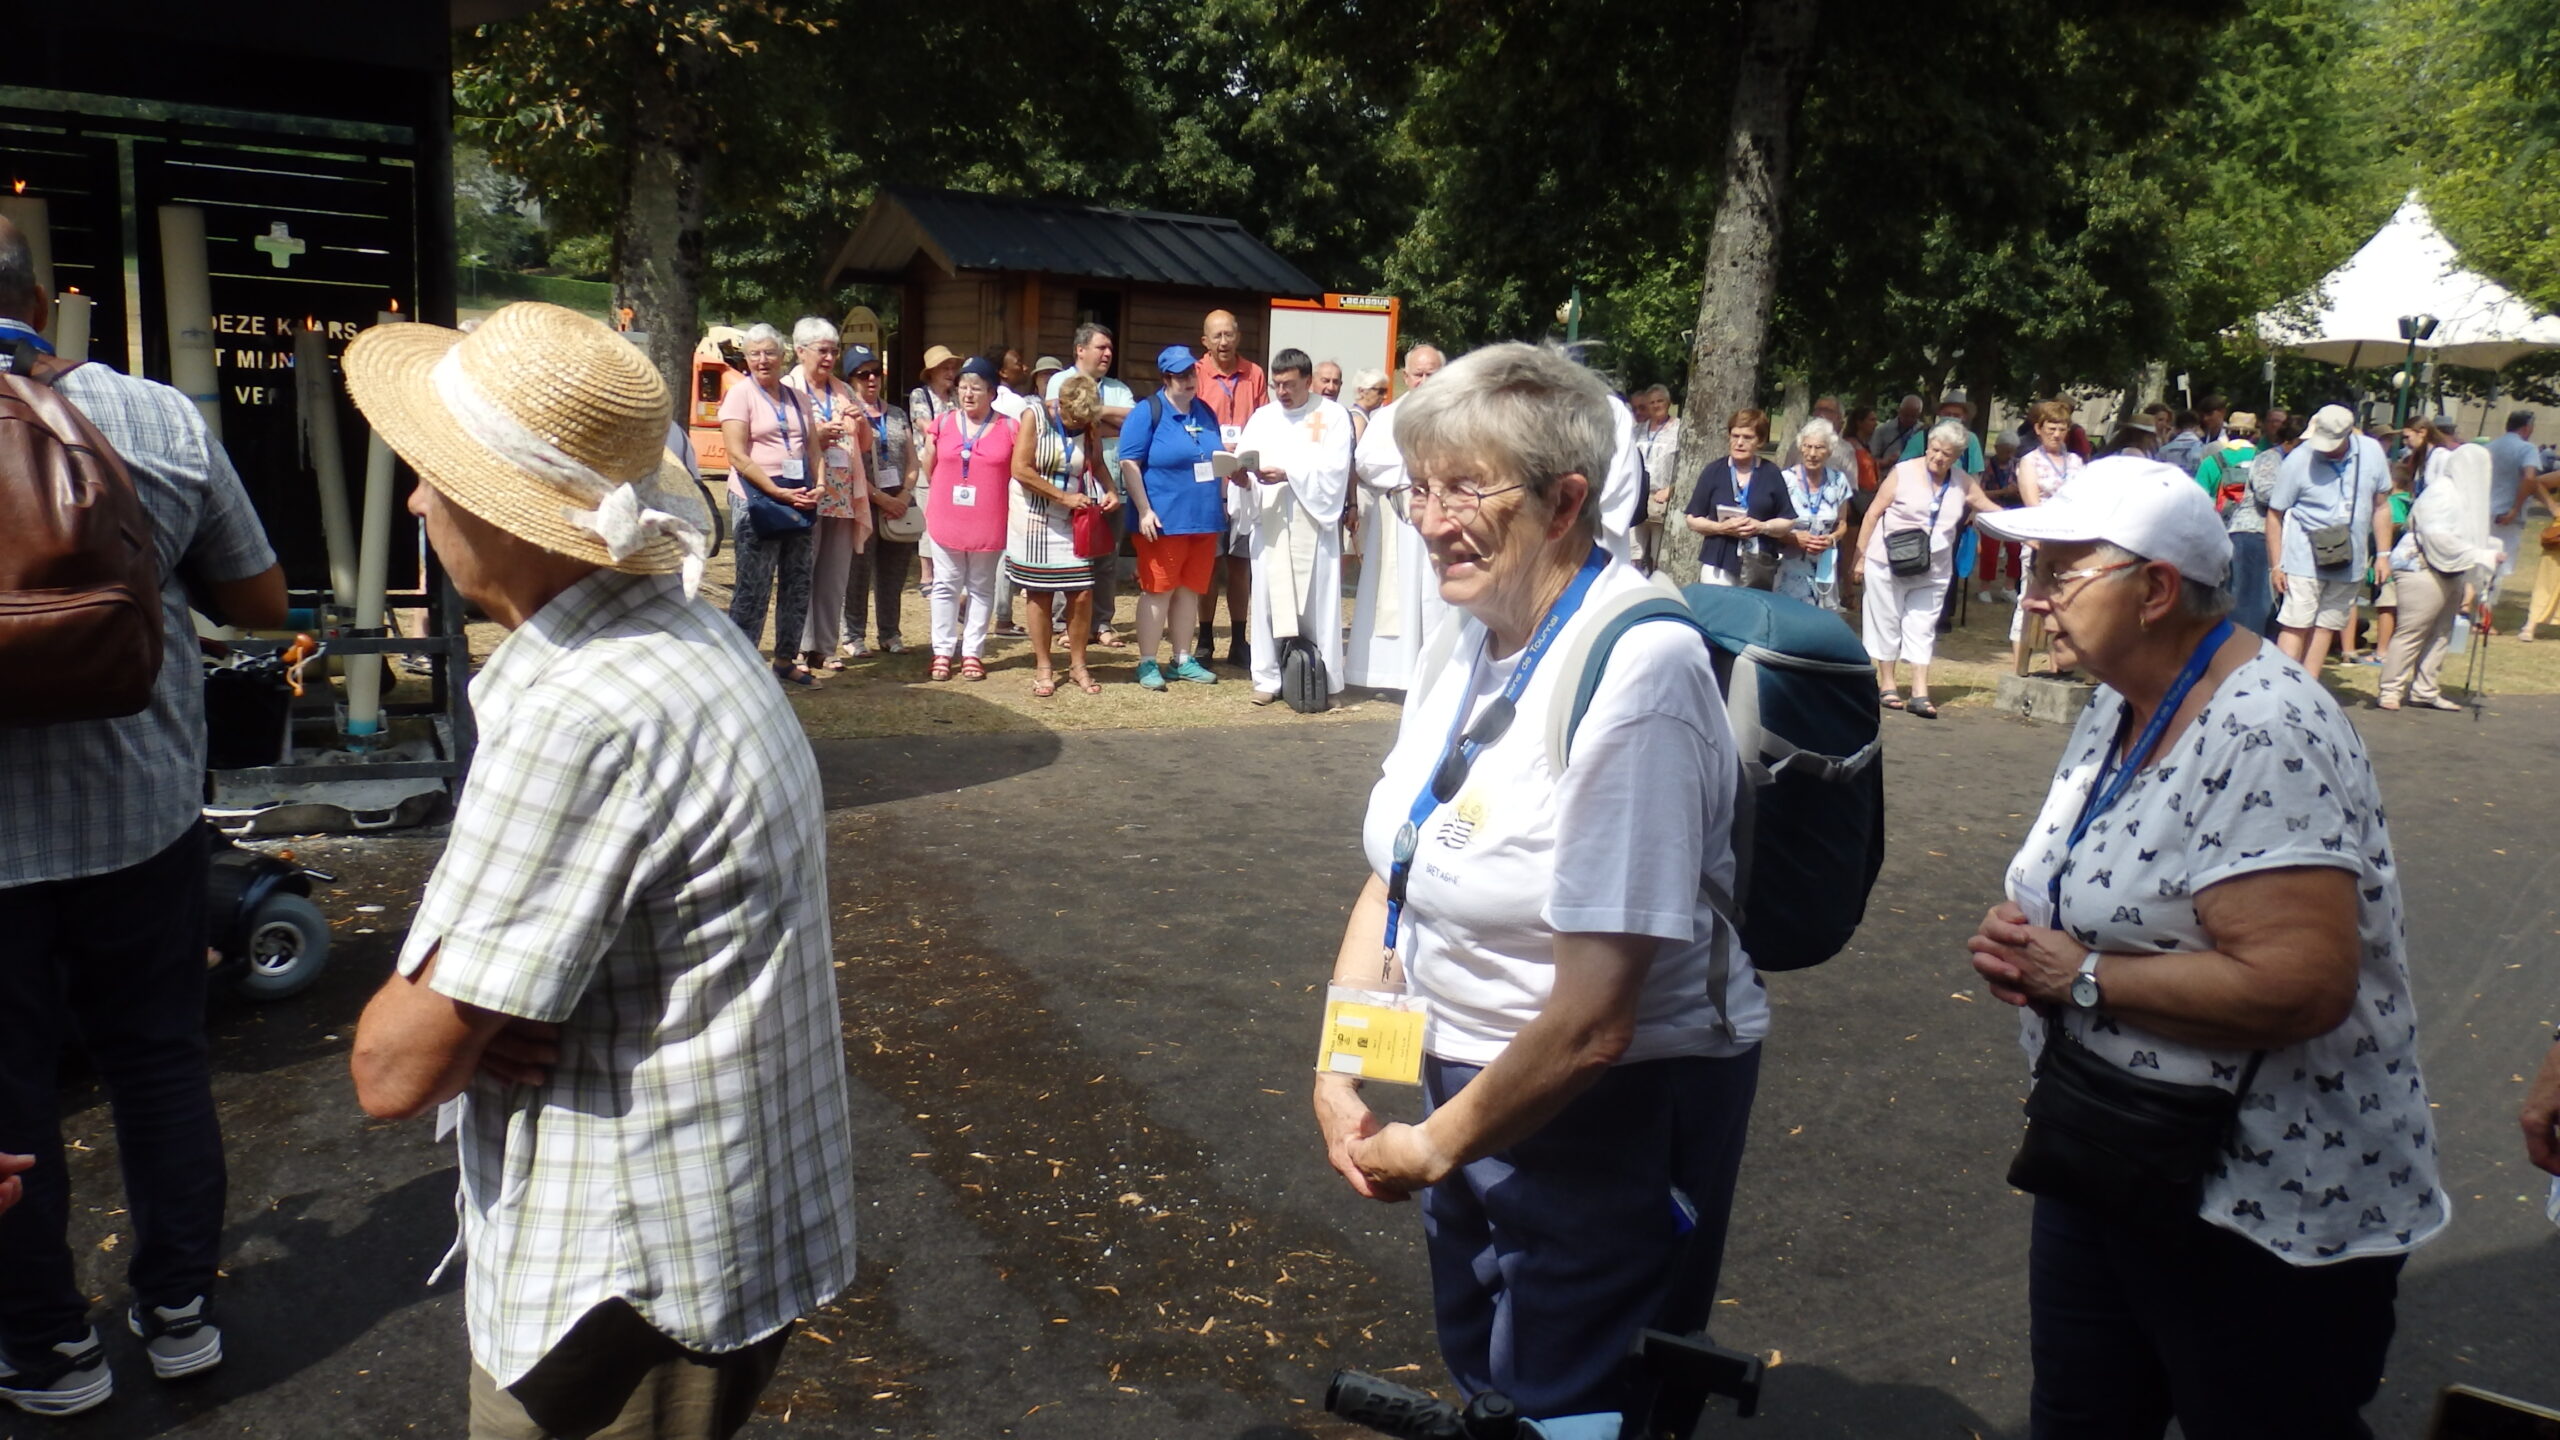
pixel 2207 903
pixel 1592 1031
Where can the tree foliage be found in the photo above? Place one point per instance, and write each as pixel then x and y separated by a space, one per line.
pixel 2018 195
pixel 2486 80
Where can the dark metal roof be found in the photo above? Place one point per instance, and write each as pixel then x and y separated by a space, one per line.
pixel 990 232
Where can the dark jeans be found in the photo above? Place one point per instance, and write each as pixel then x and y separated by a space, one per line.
pixel 2253 606
pixel 117 959
pixel 877 579
pixel 2133 1327
pixel 614 1378
pixel 1548 1257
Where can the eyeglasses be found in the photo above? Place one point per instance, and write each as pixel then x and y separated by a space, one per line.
pixel 1459 498
pixel 2044 582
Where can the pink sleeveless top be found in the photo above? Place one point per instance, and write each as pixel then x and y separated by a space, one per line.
pixel 972 475
pixel 1915 490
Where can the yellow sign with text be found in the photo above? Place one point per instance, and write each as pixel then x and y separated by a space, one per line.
pixel 1373 1034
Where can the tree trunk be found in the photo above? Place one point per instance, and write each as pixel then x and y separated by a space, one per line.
pixel 1742 250
pixel 657 239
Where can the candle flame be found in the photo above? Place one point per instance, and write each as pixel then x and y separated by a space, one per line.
pixel 395 304
pixel 18 187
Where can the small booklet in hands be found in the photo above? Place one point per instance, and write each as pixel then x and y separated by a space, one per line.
pixel 1227 462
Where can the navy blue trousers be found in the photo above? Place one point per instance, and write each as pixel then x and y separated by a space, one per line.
pixel 2253 605
pixel 117 959
pixel 2131 1327
pixel 1547 1258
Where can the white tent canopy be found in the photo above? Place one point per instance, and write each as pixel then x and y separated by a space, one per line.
pixel 2409 268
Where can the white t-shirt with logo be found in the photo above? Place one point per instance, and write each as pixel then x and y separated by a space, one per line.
pixel 1616 845
pixel 2336 1147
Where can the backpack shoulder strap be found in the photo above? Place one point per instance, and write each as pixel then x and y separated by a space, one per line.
pixel 1587 657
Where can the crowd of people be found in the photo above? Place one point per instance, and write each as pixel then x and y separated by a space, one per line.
pixel 618 989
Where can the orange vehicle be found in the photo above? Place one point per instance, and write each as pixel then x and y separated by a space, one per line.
pixel 718 361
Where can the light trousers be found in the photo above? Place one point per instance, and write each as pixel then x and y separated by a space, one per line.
pixel 2430 601
pixel 830 567
pixel 961 575
pixel 2545 609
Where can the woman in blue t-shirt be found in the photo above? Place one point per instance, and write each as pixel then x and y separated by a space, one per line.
pixel 1165 450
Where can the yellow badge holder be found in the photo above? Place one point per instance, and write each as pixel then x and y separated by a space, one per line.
pixel 1371 1035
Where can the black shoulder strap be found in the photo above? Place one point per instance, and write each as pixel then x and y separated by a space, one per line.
pixel 26 360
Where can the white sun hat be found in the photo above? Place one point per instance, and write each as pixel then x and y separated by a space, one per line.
pixel 2151 509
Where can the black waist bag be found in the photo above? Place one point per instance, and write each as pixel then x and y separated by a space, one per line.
pixel 2132 1149
pixel 1906 552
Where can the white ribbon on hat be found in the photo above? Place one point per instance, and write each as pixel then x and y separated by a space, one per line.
pixel 620 519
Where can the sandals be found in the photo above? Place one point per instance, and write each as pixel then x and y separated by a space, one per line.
pixel 1109 637
pixel 973 668
pixel 1891 699
pixel 941 668
pixel 1084 680
pixel 795 675
pixel 1919 705
pixel 1044 684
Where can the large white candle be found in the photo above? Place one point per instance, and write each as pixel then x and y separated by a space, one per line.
pixel 71 326
pixel 315 391
pixel 186 288
pixel 373 577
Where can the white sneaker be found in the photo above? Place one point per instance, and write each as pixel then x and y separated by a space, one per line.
pixel 64 1380
pixel 180 1342
pixel 1986 597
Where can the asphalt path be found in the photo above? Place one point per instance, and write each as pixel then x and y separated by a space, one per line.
pixel 1080 981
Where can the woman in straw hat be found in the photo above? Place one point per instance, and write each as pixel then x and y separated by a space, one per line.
pixel 575 467
pixel 773 452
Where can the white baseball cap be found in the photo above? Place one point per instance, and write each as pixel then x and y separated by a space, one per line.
pixel 2332 425
pixel 2154 510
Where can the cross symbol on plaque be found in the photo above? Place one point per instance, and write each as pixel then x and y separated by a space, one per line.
pixel 280 244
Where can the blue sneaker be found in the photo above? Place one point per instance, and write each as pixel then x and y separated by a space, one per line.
pixel 1149 675
pixel 1192 670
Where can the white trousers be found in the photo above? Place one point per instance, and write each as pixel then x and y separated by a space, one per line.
pixel 1900 614
pixel 969 574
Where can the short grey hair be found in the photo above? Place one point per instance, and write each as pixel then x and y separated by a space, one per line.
pixel 1652 392
pixel 1820 429
pixel 1088 332
pixel 1954 430
pixel 813 330
pixel 761 331
pixel 2197 599
pixel 1523 410
pixel 1367 380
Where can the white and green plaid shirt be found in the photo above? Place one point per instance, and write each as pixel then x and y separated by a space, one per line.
pixel 638 857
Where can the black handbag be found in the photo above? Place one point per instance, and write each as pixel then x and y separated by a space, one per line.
pixel 1759 570
pixel 1303 681
pixel 2131 1149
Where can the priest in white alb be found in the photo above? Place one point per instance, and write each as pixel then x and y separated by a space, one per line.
pixel 1398 603
pixel 1301 442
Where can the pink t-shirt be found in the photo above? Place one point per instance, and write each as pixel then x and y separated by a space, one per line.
pixel 1920 502
pixel 965 510
pixel 843 490
pixel 777 431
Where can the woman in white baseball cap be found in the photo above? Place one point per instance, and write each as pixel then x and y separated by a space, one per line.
pixel 2203 934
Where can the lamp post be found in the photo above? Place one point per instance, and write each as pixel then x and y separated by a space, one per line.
pixel 2413 328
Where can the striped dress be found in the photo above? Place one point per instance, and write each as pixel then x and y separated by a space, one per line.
pixel 1040 541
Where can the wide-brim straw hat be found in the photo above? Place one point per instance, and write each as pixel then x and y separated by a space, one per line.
pixel 586 395
pixel 938 356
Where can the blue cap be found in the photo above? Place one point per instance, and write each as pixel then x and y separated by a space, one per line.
pixel 1175 359
pixel 982 367
pixel 857 356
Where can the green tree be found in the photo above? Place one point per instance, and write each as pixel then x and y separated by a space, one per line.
pixel 2487 88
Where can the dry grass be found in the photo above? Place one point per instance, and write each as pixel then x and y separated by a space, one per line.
pixel 889 694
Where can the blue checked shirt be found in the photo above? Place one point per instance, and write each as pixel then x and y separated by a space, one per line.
pixel 639 859
pixel 98 795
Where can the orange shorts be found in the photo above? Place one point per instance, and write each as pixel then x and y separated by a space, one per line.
pixel 1176 562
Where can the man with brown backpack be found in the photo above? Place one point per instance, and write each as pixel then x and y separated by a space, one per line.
pixel 112 497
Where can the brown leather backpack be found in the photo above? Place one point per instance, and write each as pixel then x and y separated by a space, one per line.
pixel 80 635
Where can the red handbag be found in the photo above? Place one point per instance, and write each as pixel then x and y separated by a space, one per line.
pixel 1096 534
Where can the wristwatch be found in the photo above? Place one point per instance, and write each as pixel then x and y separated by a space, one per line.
pixel 2084 985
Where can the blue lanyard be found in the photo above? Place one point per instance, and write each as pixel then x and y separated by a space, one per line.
pixel 2111 783
pixel 969 440
pixel 826 408
pixel 1464 748
pixel 880 429
pixel 19 330
pixel 781 417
